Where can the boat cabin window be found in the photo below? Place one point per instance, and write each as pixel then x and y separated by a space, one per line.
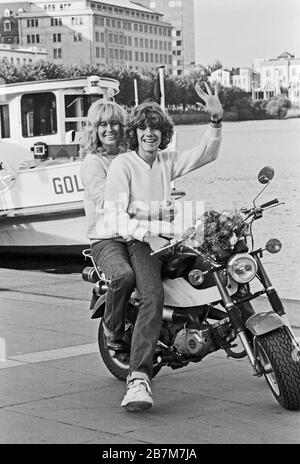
pixel 76 110
pixel 38 114
pixel 4 122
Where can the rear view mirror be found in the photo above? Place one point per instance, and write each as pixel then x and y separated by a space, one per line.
pixel 266 175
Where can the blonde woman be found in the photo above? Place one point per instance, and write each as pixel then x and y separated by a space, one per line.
pixel 103 140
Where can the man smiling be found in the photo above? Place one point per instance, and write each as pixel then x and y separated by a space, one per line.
pixel 137 208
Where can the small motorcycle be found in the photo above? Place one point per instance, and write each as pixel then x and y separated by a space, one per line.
pixel 207 276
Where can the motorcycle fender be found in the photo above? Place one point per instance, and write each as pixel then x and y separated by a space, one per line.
pixel 262 323
pixel 98 309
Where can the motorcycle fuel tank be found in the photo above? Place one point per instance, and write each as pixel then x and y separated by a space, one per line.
pixel 180 294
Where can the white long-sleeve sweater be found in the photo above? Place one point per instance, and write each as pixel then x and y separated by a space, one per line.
pixel 135 190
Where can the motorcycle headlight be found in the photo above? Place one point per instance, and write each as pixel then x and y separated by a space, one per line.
pixel 242 268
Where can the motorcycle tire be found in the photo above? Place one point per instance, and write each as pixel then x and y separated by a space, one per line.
pixel 276 348
pixel 118 363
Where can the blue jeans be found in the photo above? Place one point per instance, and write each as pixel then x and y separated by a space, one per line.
pixel 147 270
pixel 112 258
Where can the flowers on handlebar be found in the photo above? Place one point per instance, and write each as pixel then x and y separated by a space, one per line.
pixel 215 234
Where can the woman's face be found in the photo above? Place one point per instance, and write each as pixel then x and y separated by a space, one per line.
pixel 109 133
pixel 149 139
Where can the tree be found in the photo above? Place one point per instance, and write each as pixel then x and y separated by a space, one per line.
pixel 230 95
pixel 278 106
pixel 214 66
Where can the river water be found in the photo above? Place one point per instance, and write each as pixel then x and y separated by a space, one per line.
pixel 231 182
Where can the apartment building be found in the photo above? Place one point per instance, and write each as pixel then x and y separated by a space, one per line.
pixel 9 30
pixel 244 78
pixel 277 75
pixel 97 33
pixel 221 76
pixel 180 13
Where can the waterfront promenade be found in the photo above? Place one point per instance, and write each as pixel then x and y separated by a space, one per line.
pixel 54 387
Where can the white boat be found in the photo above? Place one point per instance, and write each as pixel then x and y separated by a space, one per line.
pixel 41 196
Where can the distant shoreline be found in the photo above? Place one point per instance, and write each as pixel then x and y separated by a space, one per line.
pixel 202 118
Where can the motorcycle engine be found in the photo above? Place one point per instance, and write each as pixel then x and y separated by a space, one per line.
pixel 193 342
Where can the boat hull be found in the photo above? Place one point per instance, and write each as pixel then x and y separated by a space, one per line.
pixel 52 230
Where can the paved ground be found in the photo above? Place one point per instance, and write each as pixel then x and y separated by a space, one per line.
pixel 54 387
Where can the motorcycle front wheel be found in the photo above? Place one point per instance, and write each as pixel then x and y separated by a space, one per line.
pixel 282 370
pixel 118 362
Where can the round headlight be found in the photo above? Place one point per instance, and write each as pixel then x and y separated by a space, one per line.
pixel 242 268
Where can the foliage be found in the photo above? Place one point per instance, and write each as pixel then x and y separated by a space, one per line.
pixel 229 97
pixel 214 66
pixel 278 106
pixel 180 94
pixel 259 109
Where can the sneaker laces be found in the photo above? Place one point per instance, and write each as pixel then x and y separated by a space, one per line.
pixel 135 385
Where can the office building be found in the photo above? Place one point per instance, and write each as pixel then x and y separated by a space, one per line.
pixel 97 33
pixel 180 13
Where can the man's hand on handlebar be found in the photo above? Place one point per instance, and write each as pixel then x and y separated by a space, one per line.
pixel 155 242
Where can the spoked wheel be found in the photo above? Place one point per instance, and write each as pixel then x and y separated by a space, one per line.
pixel 118 362
pixel 275 352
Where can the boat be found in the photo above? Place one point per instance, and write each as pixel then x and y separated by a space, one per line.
pixel 41 195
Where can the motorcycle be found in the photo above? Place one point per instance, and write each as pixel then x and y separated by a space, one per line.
pixel 208 306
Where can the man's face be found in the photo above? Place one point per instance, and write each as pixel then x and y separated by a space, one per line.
pixel 149 139
pixel 109 133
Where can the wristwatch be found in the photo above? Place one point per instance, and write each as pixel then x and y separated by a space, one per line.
pixel 218 121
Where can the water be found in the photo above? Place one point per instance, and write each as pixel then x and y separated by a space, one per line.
pixel 231 182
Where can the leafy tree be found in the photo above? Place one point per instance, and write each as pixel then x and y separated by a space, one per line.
pixel 259 109
pixel 214 66
pixel 278 106
pixel 230 95
pixel 179 90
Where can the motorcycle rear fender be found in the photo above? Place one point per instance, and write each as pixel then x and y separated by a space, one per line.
pixel 262 323
pixel 98 309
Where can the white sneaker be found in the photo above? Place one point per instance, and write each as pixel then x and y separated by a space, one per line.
pixel 138 396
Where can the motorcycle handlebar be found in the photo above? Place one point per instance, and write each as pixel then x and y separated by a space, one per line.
pixel 172 244
pixel 269 203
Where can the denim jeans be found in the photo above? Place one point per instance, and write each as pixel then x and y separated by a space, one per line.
pixel 112 258
pixel 149 286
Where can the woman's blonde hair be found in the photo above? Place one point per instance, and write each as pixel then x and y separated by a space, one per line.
pixel 101 111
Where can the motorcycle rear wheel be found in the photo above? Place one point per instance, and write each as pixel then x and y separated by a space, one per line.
pixel 283 379
pixel 118 363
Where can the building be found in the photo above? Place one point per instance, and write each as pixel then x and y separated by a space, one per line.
pixel 244 78
pixel 97 33
pixel 9 30
pixel 279 75
pixel 19 56
pixel 180 13
pixel 221 76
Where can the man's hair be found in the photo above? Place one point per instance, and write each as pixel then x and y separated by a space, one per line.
pixel 149 114
pixel 102 111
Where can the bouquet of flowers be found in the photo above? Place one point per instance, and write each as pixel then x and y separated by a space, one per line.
pixel 215 234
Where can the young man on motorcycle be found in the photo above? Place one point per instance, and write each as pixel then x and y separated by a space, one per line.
pixel 136 208
pixel 103 140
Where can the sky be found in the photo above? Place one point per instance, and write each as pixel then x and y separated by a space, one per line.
pixel 236 32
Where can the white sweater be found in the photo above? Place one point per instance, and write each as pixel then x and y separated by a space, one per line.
pixel 136 193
